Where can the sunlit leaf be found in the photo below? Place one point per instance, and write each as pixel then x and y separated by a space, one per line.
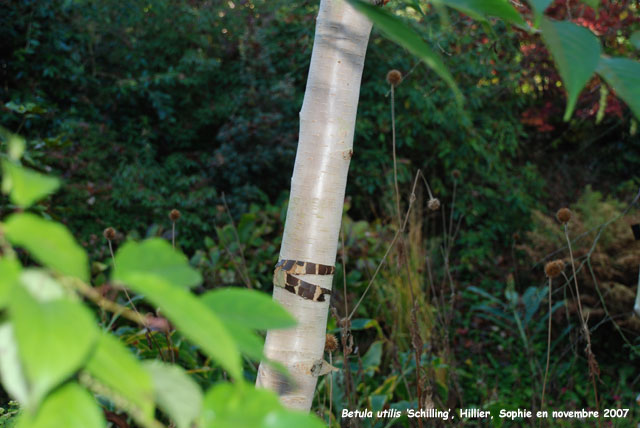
pixel 15 142
pixel 41 285
pixel 176 393
pixel 400 33
pixel 249 343
pixel 70 406
pixel 242 405
pixel 54 340
pixel 194 319
pixel 11 373
pixel 25 186
pixel 248 308
pixel 9 273
pixel 50 243
pixel 157 257
pixel 576 51
pixel 113 365
pixel 623 75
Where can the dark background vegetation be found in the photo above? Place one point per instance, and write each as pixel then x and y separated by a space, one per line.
pixel 142 107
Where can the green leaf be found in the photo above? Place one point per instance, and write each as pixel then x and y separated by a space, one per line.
pixel 248 342
pixel 113 365
pixel 176 393
pixel 194 319
pixel 634 39
pixel 70 406
pixel 49 243
pixel 371 360
pixel 405 36
pixel 539 6
pixel 156 256
pixel 41 285
pixel 54 340
pixel 25 186
pixel 576 51
pixel 249 308
pixel 16 143
pixel 9 272
pixel 11 373
pixel 242 405
pixel 623 75
pixel 481 9
pixel 595 4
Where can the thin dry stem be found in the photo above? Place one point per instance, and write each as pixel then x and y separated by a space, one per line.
pixel 395 163
pixel 585 329
pixel 546 370
pixel 393 241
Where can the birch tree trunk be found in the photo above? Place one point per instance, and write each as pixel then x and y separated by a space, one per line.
pixel 327 122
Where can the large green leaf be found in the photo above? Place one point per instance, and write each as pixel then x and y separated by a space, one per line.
pixel 156 256
pixel 242 405
pixel 248 308
pixel 11 373
pixel 194 319
pixel 54 340
pixel 539 6
pixel 25 186
pixel 70 406
pixel 113 365
pixel 9 272
pixel 576 51
pixel 49 243
pixel 400 33
pixel 248 342
pixel 481 9
pixel 42 286
pixel 623 75
pixel 176 393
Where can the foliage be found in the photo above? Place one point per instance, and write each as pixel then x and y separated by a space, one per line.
pixel 141 107
pixel 54 356
pixel 100 89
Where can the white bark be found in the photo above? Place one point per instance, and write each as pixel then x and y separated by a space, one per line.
pixel 327 122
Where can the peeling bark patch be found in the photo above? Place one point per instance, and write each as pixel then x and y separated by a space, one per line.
pixel 347 154
pixel 283 277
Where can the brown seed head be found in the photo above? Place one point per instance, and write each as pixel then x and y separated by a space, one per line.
pixel 109 233
pixel 174 215
pixel 394 77
pixel 563 215
pixel 433 204
pixel 456 173
pixel 554 268
pixel 516 236
pixel 330 343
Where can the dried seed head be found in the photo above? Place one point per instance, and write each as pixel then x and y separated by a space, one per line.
pixel 174 215
pixel 394 77
pixel 554 268
pixel 563 215
pixel 456 173
pixel 109 233
pixel 330 343
pixel 433 204
pixel 516 236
